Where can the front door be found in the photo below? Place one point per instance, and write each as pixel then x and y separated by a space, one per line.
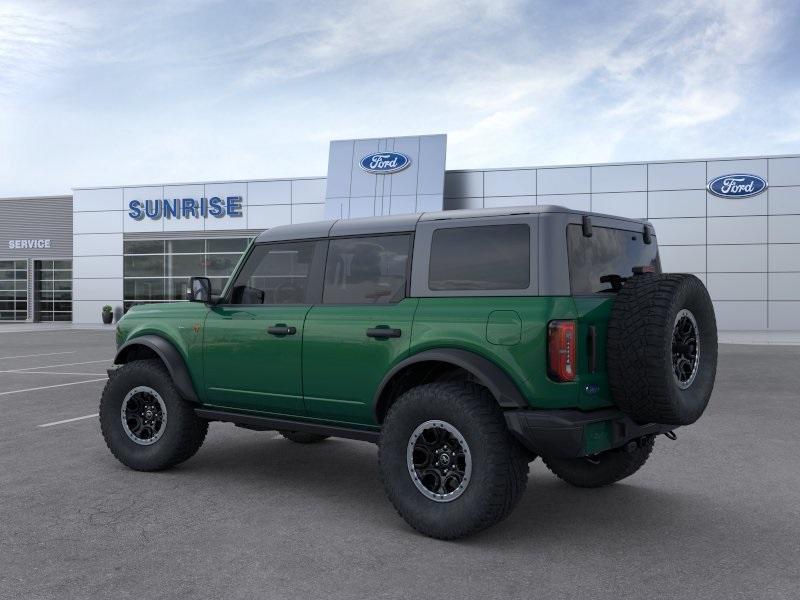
pixel 253 338
pixel 362 327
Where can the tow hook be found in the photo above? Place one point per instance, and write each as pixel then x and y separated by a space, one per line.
pixel 671 435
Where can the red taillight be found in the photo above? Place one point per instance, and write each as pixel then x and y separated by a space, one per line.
pixel 561 350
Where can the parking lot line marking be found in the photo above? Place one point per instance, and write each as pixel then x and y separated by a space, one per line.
pixel 70 420
pixel 47 387
pixel 88 362
pixel 48 373
pixel 35 355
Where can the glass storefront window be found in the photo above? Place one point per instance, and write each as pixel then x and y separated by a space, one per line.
pixel 13 290
pixel 185 246
pixel 185 265
pixel 53 290
pixel 143 247
pixel 143 266
pixel 150 289
pixel 227 245
pixel 159 270
pixel 176 288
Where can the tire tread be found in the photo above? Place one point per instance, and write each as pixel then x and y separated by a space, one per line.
pixel 636 346
pixel 508 463
pixel 190 436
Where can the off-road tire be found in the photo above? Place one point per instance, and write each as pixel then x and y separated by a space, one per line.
pixel 183 434
pixel 604 468
pixel 639 351
pixel 499 464
pixel 301 437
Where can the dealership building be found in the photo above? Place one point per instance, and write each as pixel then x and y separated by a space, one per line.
pixel 734 222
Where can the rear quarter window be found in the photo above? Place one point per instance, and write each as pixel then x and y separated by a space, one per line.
pixel 606 252
pixel 490 257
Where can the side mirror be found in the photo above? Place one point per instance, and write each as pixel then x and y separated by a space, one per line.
pixel 199 290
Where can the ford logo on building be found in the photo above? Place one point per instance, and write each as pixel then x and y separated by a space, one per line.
pixel 737 186
pixel 384 163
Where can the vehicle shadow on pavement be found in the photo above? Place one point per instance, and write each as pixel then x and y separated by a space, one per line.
pixel 344 475
pixel 552 509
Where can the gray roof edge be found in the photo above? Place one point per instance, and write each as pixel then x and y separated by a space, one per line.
pixel 212 182
pixel 408 222
pixel 296 231
pixel 390 137
pixel 627 163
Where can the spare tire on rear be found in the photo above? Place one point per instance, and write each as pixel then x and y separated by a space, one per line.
pixel 662 348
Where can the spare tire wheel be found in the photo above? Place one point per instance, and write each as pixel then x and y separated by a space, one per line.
pixel 662 348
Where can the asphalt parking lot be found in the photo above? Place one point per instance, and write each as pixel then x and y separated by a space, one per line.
pixel 715 514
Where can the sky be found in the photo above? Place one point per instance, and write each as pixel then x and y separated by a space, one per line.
pixel 112 93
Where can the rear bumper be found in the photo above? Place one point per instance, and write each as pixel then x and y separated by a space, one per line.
pixel 574 433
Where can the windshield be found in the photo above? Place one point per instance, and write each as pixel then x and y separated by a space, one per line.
pixel 608 253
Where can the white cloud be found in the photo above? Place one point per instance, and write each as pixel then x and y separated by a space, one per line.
pixel 35 41
pixel 117 92
pixel 650 75
pixel 319 41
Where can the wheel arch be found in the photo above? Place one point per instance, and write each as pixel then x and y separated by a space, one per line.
pixel 154 346
pixel 430 364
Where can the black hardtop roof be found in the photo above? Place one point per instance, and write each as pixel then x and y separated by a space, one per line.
pixel 404 223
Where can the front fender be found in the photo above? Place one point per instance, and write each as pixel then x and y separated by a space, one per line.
pixel 171 358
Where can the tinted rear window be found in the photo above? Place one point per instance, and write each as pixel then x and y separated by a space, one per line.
pixel 607 252
pixel 490 257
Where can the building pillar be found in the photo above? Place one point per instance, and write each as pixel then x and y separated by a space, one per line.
pixel 31 288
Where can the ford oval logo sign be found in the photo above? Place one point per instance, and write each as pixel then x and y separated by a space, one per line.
pixel 384 163
pixel 737 186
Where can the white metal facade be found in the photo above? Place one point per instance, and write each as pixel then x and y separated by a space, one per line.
pixel 746 250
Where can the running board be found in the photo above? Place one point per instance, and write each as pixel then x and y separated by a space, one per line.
pixel 260 423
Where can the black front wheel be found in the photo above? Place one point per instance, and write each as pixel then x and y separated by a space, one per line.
pixel 145 422
pixel 604 468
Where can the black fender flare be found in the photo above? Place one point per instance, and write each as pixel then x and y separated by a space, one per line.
pixel 171 358
pixel 496 380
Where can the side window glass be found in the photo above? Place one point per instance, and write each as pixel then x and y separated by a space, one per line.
pixel 366 270
pixel 275 274
pixel 486 257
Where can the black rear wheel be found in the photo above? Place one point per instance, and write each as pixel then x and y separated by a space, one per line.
pixel 448 463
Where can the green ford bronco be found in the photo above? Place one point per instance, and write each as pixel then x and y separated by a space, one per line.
pixel 463 343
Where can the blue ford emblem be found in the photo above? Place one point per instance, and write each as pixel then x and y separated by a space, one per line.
pixel 384 163
pixel 737 186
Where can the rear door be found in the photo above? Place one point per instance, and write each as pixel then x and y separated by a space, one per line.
pixel 362 327
pixel 253 340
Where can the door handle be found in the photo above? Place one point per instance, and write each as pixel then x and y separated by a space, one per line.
pixel 383 332
pixel 281 329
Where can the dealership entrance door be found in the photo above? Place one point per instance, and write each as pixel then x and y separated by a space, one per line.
pixel 53 290
pixel 13 290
